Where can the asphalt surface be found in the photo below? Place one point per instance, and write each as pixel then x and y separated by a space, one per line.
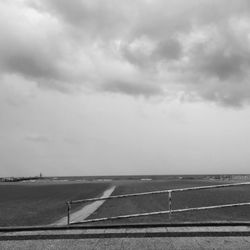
pixel 130 238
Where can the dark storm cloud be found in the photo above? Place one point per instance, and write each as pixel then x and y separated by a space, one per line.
pixel 200 46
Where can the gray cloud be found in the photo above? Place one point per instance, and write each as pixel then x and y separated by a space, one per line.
pixel 169 50
pixel 91 19
pixel 37 138
pixel 148 54
pixel 199 46
pixel 132 88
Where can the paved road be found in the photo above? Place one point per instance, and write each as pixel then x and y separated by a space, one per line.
pixel 134 239
pixel 87 210
pixel 132 244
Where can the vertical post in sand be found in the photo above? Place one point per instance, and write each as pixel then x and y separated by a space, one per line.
pixel 68 212
pixel 170 204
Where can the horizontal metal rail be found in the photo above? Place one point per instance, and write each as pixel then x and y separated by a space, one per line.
pixel 169 212
pixel 159 192
pixel 160 212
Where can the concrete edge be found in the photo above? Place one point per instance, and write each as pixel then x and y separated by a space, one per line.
pixel 76 226
pixel 126 235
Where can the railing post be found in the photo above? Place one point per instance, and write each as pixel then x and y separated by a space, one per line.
pixel 170 203
pixel 68 212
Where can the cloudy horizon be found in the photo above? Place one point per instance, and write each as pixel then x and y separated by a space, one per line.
pixel 124 87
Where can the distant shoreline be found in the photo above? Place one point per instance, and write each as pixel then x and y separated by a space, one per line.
pixel 216 177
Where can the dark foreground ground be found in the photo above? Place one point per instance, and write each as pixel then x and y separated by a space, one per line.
pixel 44 203
pixel 186 199
pixel 41 203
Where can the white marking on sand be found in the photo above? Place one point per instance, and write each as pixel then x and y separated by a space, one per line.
pixel 87 210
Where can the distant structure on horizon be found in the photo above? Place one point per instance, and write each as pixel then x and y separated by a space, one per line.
pixel 16 179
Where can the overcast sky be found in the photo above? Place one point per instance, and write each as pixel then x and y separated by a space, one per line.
pixel 93 87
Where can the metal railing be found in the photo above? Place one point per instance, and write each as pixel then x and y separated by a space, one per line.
pixel 169 211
